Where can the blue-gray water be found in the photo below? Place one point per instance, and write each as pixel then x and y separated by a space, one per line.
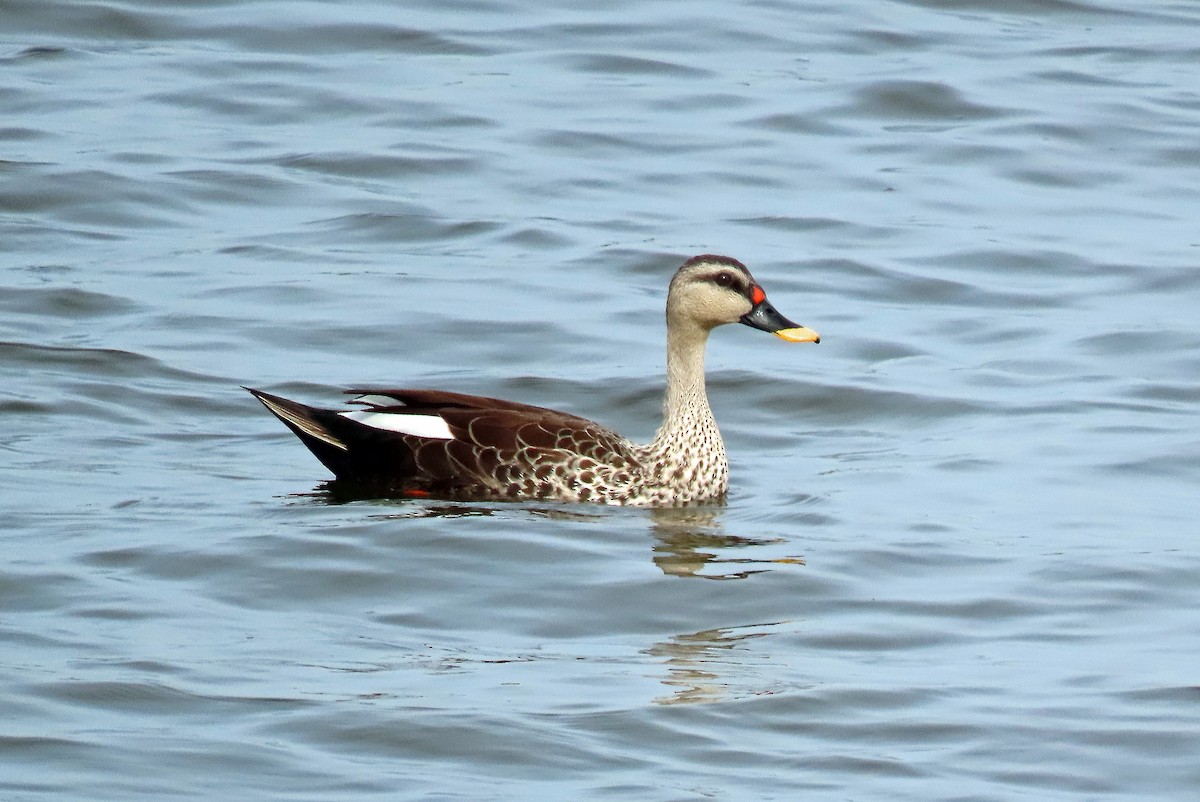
pixel 961 550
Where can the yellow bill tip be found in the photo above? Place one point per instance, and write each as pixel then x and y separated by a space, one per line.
pixel 800 334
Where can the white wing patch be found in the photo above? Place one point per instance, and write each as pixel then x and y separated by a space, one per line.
pixel 431 426
pixel 377 401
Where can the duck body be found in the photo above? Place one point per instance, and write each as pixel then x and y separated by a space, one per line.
pixel 419 442
pixel 495 449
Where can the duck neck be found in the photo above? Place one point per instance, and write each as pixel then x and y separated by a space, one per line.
pixel 687 417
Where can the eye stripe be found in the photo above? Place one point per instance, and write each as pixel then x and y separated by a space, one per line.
pixel 727 279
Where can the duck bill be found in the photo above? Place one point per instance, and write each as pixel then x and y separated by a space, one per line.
pixel 766 318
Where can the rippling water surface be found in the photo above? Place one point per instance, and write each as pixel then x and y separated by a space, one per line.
pixel 959 560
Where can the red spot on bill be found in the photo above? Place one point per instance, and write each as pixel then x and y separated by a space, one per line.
pixel 757 295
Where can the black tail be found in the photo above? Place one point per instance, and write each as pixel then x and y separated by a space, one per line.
pixel 352 451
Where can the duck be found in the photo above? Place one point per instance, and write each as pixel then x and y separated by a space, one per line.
pixel 419 443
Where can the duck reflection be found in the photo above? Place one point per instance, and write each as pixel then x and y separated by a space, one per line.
pixel 706 666
pixel 692 542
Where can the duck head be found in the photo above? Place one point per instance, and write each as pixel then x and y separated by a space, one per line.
pixel 709 291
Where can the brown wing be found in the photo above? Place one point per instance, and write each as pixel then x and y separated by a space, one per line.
pixel 499 449
pixel 497 423
pixel 498 445
pixel 419 400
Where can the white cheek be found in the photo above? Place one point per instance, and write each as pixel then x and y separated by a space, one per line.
pixel 430 426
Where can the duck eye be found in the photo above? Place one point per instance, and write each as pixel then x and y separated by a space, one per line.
pixel 724 279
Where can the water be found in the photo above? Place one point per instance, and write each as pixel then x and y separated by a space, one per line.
pixel 959 558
